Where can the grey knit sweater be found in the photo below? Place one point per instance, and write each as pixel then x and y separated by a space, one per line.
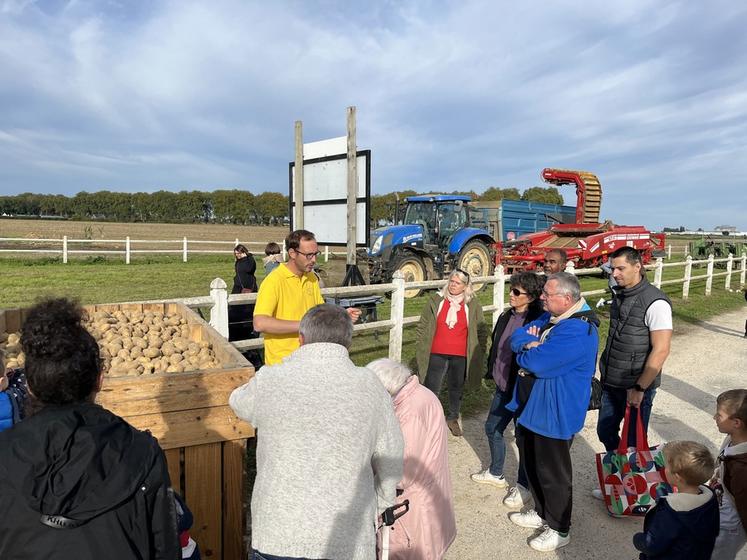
pixel 328 445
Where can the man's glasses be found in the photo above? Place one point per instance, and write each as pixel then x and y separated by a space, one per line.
pixel 517 292
pixel 309 256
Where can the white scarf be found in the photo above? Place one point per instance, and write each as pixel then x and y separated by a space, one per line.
pixel 454 303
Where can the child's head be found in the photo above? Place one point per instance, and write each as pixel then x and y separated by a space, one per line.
pixel 272 248
pixel 690 462
pixel 731 411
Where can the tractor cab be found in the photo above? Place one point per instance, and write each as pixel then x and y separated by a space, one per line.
pixel 440 216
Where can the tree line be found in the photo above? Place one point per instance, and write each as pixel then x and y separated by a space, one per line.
pixel 220 206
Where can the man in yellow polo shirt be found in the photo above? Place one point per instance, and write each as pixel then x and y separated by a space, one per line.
pixel 285 296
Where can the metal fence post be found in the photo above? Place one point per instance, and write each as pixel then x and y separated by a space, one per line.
pixel 709 273
pixel 184 250
pixel 729 267
pixel 657 271
pixel 688 274
pixel 743 270
pixel 219 311
pixel 127 250
pixel 499 296
pixel 397 315
pixel 64 250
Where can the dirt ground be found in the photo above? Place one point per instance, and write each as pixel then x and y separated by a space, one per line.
pixel 706 359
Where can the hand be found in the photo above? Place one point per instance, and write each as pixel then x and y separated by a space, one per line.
pixel 635 398
pixel 354 313
pixel 533 344
pixel 3 380
pixel 534 331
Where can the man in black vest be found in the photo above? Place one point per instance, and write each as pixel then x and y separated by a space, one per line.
pixel 637 345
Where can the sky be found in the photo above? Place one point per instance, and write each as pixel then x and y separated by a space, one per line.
pixel 137 95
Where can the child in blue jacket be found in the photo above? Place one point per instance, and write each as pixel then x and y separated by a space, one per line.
pixel 13 394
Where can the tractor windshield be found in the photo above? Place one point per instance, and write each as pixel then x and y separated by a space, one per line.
pixel 451 218
pixel 421 213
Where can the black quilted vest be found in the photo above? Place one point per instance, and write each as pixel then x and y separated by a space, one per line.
pixel 628 343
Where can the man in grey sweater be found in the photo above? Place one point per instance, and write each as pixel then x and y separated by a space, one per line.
pixel 329 447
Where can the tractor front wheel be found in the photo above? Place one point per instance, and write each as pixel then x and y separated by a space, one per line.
pixel 475 260
pixel 412 268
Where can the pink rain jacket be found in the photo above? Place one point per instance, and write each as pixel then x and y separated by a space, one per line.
pixel 429 528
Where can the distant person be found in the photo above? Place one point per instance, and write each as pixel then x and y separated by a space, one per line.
pixel 272 257
pixel 730 481
pixel 285 297
pixel 685 524
pixel 555 261
pixel 451 338
pixel 13 395
pixel 77 481
pixel 329 447
pixel 429 528
pixel 638 344
pixel 526 289
pixel 244 282
pixel 557 354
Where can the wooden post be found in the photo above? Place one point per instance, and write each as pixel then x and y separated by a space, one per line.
pixel 64 250
pixel 499 289
pixel 657 271
pixel 709 273
pixel 127 250
pixel 236 242
pixel 352 187
pixel 219 311
pixel 284 251
pixel 743 269
pixel 397 315
pixel 326 253
pixel 298 180
pixel 184 250
pixel 570 267
pixel 669 251
pixel 729 267
pixel 688 274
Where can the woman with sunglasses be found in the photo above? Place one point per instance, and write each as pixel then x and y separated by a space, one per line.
pixel 526 306
pixel 451 339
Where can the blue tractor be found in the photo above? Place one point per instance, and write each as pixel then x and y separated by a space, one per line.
pixel 436 236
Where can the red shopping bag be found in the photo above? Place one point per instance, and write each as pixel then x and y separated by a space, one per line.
pixel 632 479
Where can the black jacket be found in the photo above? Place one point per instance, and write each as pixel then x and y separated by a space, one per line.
pixel 77 482
pixel 533 312
pixel 244 278
pixel 670 534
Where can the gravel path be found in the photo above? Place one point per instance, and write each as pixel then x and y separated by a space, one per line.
pixel 707 358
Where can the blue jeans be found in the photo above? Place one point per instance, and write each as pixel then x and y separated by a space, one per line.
pixel 612 413
pixel 498 418
pixel 261 556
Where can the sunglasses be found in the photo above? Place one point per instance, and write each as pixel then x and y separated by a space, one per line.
pixel 463 272
pixel 517 292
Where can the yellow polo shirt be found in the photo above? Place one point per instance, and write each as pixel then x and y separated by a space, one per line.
pixel 283 295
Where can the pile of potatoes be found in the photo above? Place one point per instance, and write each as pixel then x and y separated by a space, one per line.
pixel 137 343
pixel 11 345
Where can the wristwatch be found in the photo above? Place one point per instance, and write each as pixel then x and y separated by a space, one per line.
pixel 639 388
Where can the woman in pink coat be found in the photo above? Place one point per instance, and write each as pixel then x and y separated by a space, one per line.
pixel 429 528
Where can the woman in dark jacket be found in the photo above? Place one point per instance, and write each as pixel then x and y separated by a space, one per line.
pixel 451 338
pixel 240 317
pixel 526 306
pixel 77 481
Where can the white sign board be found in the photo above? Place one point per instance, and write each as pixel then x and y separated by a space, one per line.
pixel 325 176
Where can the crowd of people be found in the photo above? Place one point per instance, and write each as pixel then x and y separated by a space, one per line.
pixel 339 445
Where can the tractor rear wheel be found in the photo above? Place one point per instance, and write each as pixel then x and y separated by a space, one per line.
pixel 412 268
pixel 475 260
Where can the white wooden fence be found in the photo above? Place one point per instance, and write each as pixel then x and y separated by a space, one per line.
pixel 219 300
pixel 183 247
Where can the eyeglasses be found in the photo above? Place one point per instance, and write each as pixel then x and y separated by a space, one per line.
pixel 517 292
pixel 547 294
pixel 309 256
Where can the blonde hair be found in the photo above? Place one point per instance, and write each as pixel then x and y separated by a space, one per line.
pixel 690 460
pixel 734 403
pixel 464 277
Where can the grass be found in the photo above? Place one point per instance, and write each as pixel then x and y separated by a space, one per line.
pixel 108 280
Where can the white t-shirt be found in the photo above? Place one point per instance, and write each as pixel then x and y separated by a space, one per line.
pixel 659 316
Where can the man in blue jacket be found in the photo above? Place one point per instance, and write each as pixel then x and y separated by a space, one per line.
pixel 557 354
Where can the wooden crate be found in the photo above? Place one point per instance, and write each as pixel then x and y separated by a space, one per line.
pixel 204 442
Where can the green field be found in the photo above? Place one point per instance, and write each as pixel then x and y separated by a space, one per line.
pixel 100 280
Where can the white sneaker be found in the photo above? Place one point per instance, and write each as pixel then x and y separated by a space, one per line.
pixel 527 519
pixel 597 493
pixel 484 477
pixel 517 497
pixel 549 540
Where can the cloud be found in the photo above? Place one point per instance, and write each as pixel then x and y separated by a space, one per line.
pixel 140 96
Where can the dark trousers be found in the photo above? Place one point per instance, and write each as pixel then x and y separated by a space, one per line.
pixel 547 463
pixel 614 402
pixel 260 556
pixel 498 419
pixel 454 368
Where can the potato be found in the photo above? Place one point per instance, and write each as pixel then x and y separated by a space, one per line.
pixel 175 359
pixel 152 352
pixel 141 342
pixel 124 353
pixel 136 352
pixel 180 343
pixel 167 348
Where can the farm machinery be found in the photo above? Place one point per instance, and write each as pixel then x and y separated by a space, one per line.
pixel 587 241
